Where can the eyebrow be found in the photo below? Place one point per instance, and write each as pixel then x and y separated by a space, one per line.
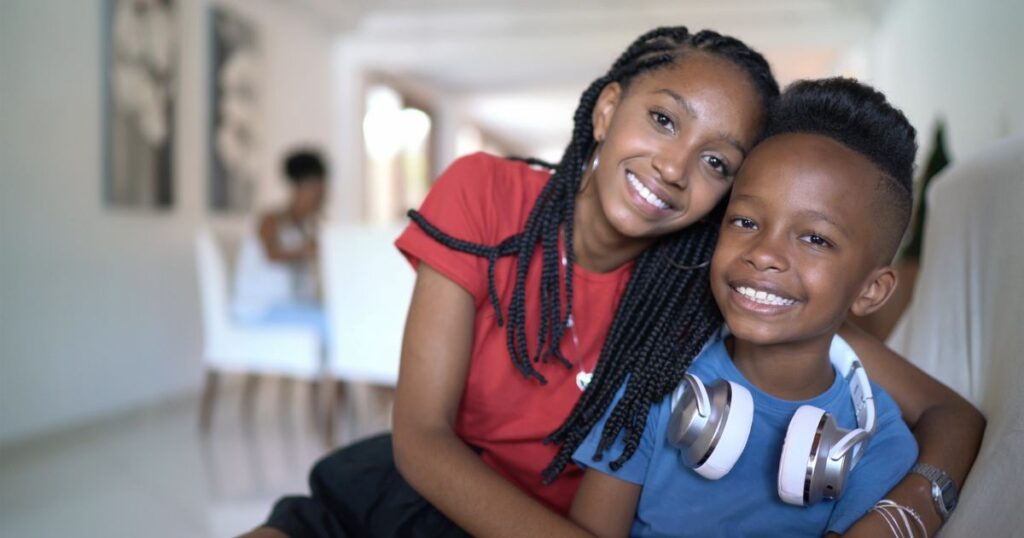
pixel 679 101
pixel 805 214
pixel 748 198
pixel 693 114
pixel 818 215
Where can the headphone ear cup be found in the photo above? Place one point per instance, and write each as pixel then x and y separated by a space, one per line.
pixel 710 425
pixel 734 432
pixel 799 452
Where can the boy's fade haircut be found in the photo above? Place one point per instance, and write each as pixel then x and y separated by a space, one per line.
pixel 304 165
pixel 859 117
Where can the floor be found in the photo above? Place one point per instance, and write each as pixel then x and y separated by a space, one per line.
pixel 151 473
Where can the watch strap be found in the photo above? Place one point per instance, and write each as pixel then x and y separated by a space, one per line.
pixel 944 490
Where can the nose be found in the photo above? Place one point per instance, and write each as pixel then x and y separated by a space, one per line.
pixel 671 166
pixel 767 252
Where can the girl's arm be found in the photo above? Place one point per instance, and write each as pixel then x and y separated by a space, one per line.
pixel 605 505
pixel 435 359
pixel 947 427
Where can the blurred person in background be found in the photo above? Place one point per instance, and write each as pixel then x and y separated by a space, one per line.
pixel 277 276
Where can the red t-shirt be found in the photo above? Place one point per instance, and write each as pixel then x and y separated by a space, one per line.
pixel 485 199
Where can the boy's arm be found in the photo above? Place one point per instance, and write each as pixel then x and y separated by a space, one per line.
pixel 947 427
pixel 605 505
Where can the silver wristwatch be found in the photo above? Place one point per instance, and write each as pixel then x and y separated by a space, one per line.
pixel 944 492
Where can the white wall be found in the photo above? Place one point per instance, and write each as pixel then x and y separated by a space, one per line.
pixel 957 60
pixel 299 97
pixel 98 306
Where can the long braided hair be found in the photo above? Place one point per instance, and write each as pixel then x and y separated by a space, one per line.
pixel 667 311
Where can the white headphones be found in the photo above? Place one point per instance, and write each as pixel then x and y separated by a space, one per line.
pixel 711 426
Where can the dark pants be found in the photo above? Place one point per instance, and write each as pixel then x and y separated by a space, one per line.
pixel 357 491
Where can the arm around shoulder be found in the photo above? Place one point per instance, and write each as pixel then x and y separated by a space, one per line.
pixel 947 427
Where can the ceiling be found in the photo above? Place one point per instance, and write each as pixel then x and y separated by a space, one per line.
pixel 534 57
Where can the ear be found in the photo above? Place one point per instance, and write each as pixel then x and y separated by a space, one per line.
pixel 604 109
pixel 876 291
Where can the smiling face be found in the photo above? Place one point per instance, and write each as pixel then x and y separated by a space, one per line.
pixel 671 143
pixel 799 244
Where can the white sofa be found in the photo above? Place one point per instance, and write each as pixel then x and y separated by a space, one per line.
pixel 965 325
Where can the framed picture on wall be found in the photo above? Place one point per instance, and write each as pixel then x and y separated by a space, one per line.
pixel 235 98
pixel 140 84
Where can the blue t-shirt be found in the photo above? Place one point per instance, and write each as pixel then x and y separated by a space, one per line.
pixel 676 501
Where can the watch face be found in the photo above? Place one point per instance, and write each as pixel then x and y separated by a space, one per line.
pixel 949 497
pixel 940 502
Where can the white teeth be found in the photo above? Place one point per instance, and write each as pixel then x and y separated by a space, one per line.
pixel 764 297
pixel 645 192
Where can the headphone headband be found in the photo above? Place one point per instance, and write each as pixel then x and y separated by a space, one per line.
pixel 846 362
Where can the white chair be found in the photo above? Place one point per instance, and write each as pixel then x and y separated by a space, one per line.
pixel 367 288
pixel 965 324
pixel 290 351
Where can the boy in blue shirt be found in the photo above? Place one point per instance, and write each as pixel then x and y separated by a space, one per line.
pixel 815 217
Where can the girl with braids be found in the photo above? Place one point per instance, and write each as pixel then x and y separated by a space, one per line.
pixel 540 289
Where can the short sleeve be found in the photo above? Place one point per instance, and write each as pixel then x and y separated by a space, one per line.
pixel 890 455
pixel 634 469
pixel 460 204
